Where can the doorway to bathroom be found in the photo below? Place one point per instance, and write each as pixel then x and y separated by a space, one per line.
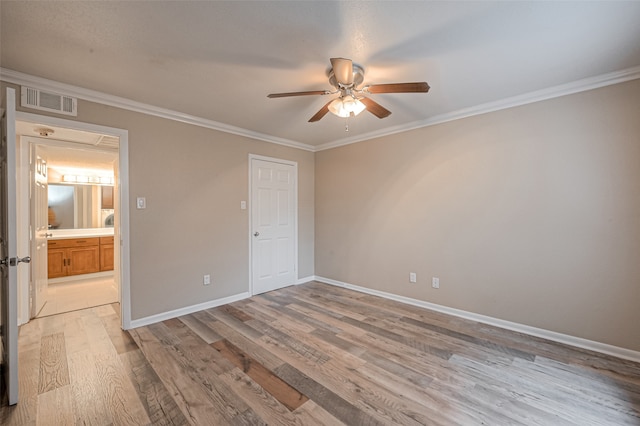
pixel 73 211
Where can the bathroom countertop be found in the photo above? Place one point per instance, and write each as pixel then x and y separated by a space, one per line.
pixel 80 233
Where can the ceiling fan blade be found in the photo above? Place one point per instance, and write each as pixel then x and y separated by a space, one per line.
pixel 343 70
pixel 284 95
pixel 375 108
pixel 323 111
pixel 419 87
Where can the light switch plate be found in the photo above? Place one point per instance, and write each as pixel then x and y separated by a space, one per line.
pixel 141 203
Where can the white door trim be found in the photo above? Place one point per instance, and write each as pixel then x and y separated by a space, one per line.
pixel 123 185
pixel 249 209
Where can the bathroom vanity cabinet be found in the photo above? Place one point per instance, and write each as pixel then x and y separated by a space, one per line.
pixel 76 256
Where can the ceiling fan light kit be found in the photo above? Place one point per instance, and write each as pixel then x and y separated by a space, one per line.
pixel 346 107
pixel 345 76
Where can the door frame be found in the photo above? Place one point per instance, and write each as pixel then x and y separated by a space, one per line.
pixel 250 210
pixel 122 181
pixel 9 298
pixel 26 287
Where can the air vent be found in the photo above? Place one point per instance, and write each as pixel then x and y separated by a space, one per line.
pixel 109 142
pixel 48 101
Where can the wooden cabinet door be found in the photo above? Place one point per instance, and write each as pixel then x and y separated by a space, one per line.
pixel 107 197
pixel 56 262
pixel 106 257
pixel 83 260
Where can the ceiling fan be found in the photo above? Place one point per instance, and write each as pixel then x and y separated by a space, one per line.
pixel 346 77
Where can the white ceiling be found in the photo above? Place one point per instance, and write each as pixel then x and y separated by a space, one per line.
pixel 67 150
pixel 219 60
pixel 80 161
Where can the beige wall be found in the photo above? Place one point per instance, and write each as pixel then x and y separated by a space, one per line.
pixel 193 180
pixel 530 214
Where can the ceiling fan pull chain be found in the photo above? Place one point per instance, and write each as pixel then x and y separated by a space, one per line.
pixel 346 124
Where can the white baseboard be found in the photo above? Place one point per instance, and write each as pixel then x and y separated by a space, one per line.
pixel 521 328
pixel 188 310
pixel 305 280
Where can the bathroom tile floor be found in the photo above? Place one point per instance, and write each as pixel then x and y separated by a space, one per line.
pixel 79 294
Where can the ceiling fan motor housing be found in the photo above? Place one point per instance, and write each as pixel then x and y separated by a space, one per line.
pixel 358 77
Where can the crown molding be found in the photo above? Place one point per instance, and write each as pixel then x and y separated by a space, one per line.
pixel 583 85
pixel 23 79
pixel 514 101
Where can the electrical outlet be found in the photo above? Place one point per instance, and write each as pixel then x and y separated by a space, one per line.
pixel 435 282
pixel 206 279
pixel 412 277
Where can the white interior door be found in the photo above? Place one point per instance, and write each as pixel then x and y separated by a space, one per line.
pixel 40 222
pixel 8 247
pixel 273 224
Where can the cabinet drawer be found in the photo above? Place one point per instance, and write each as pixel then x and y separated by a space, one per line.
pixel 74 242
pixel 106 240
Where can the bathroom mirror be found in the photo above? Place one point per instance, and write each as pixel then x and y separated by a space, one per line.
pixel 80 206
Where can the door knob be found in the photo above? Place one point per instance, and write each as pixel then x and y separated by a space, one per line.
pixel 13 261
pixel 255 234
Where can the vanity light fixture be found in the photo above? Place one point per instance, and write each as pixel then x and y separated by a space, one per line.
pixel 102 180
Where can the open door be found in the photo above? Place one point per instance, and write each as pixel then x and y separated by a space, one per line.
pixel 9 259
pixel 40 222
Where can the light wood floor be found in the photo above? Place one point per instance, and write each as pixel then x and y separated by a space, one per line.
pixel 307 355
pixel 78 368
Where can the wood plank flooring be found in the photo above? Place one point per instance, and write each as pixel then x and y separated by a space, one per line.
pixel 81 368
pixel 311 355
